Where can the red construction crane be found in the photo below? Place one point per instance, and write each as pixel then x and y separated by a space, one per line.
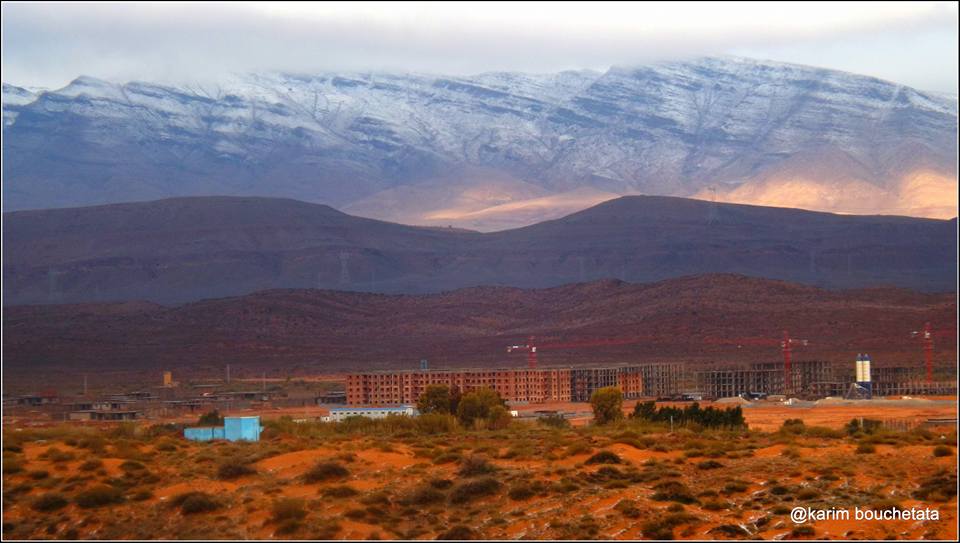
pixel 786 346
pixel 531 350
pixel 532 347
pixel 926 336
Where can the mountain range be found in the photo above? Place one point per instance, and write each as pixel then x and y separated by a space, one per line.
pixel 290 332
pixel 492 151
pixel 187 249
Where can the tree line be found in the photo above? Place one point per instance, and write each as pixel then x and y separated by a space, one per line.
pixel 607 406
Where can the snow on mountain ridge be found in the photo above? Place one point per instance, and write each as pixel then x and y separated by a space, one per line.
pixel 672 128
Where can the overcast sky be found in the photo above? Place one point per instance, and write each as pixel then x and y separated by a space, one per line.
pixel 48 45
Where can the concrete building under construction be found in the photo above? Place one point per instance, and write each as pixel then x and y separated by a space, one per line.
pixel 519 385
pixel 811 378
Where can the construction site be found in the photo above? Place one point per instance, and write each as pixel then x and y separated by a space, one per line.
pixel 534 383
pixel 803 379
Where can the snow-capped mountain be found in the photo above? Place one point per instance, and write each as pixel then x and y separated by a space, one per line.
pixel 456 150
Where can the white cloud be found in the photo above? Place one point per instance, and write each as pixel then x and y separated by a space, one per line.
pixel 49 44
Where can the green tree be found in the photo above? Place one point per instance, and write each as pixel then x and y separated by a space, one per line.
pixel 645 410
pixel 607 405
pixel 212 418
pixel 455 396
pixel 499 418
pixel 435 399
pixel 476 405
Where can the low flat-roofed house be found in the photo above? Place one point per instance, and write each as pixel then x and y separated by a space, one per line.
pixel 332 398
pixel 337 414
pixel 42 398
pixel 99 414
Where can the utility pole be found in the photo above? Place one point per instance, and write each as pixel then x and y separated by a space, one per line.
pixel 228 374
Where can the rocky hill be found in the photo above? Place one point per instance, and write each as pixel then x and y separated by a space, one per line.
pixel 186 249
pixel 304 331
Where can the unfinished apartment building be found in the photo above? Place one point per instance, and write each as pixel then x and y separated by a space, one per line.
pixel 900 381
pixel 809 378
pixel 529 385
pixel 516 385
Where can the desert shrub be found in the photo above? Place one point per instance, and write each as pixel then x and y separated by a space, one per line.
pixel 941 487
pixel 325 471
pixel 166 445
pixel 55 455
pixel 734 487
pixel 627 508
pixel 607 404
pixel 340 491
pixel 326 529
pixel 779 490
pixel 942 450
pixel 472 489
pixel 823 432
pixel 662 528
pixel 673 491
pixel 866 426
pixel 424 495
pixel 605 473
pixel 234 468
pixel 141 495
pixel 793 426
pixel 12 466
pixel 807 494
pixel 866 448
pixel 376 498
pixel 791 452
pixel 446 458
pixel 98 496
pixel 195 502
pixel 132 465
pixel 436 423
pixel 475 465
pixel 525 490
pixel 442 484
pixel 885 505
pixel 127 449
pixel 458 533
pixel 49 502
pixel 91 465
pixel 578 448
pixel 709 464
pixel 288 509
pixel 554 421
pixel 356 514
pixel 93 443
pixel 604 457
pixel 730 531
pixel 584 528
pixel 289 526
pixel 715 505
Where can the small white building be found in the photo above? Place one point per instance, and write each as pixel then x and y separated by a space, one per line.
pixel 337 414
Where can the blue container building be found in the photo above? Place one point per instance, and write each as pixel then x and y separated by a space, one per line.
pixel 233 429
